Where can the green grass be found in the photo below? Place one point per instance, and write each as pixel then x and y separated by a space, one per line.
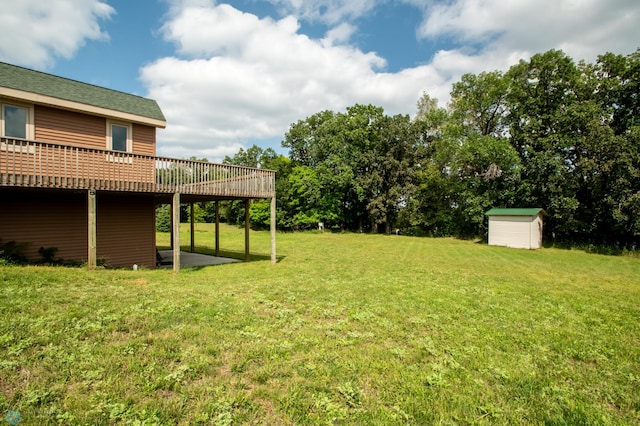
pixel 231 241
pixel 345 329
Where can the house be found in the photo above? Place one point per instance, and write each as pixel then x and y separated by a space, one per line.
pixel 517 228
pixel 79 172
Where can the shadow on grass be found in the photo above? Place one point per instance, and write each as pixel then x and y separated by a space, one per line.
pixel 593 248
pixel 230 254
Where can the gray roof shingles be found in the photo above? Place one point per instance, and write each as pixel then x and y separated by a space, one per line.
pixel 41 83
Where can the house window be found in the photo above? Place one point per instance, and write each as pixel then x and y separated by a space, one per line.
pixel 119 137
pixel 16 121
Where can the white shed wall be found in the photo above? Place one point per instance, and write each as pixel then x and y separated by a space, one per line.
pixel 515 231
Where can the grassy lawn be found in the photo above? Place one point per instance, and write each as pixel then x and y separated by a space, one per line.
pixel 345 329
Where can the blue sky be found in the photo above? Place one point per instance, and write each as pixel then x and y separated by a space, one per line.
pixel 231 74
pixel 135 38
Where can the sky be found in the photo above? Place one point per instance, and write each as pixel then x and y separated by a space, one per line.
pixel 228 75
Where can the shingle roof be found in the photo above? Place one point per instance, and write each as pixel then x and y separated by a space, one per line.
pixel 41 83
pixel 516 212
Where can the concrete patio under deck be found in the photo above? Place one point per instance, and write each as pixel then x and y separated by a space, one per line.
pixel 192 259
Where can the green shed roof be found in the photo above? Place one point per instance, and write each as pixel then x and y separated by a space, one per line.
pixel 516 212
pixel 41 83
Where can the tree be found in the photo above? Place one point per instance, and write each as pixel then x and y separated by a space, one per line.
pixel 163 218
pixel 332 145
pixel 254 157
pixel 547 133
pixel 429 206
pixel 618 86
pixel 199 213
pixel 308 140
pixel 390 175
pixel 425 106
pixel 360 133
pixel 479 103
pixel 573 129
pixel 487 169
pixel 305 198
pixel 259 213
pixel 540 93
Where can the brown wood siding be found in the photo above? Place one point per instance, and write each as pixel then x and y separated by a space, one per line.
pixel 72 128
pixel 144 139
pixel 69 128
pixel 126 229
pixel 45 219
pixel 126 225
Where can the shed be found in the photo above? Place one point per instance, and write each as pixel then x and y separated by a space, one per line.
pixel 517 228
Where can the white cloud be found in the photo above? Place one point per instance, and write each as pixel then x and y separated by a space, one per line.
pixel 339 34
pixel 330 12
pixel 35 32
pixel 237 79
pixel 496 28
pixel 240 78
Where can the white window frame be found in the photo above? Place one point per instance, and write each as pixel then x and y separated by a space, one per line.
pixel 30 132
pixel 129 128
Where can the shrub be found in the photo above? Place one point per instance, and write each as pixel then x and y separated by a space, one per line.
pixel 163 218
pixel 12 252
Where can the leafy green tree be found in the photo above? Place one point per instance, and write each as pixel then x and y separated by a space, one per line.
pixel 259 213
pixel 614 82
pixel 548 133
pixel 426 105
pixel 483 165
pixel 254 157
pixel 429 206
pixel 572 127
pixel 618 85
pixel 330 144
pixel 309 141
pixel 199 213
pixel 487 169
pixel 623 192
pixel 479 103
pixel 163 218
pixel 305 202
pixel 361 181
pixel 540 93
pixel 391 171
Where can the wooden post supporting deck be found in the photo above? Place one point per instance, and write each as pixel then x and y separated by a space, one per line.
pixel 92 258
pixel 217 229
pixel 273 230
pixel 176 232
pixel 247 204
pixel 193 234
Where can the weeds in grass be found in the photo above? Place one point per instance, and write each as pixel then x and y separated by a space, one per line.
pixel 346 329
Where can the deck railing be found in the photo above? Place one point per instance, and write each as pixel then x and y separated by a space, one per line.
pixel 46 165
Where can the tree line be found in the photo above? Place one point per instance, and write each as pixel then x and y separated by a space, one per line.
pixel 548 133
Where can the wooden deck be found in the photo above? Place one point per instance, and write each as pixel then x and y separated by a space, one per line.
pixel 47 165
